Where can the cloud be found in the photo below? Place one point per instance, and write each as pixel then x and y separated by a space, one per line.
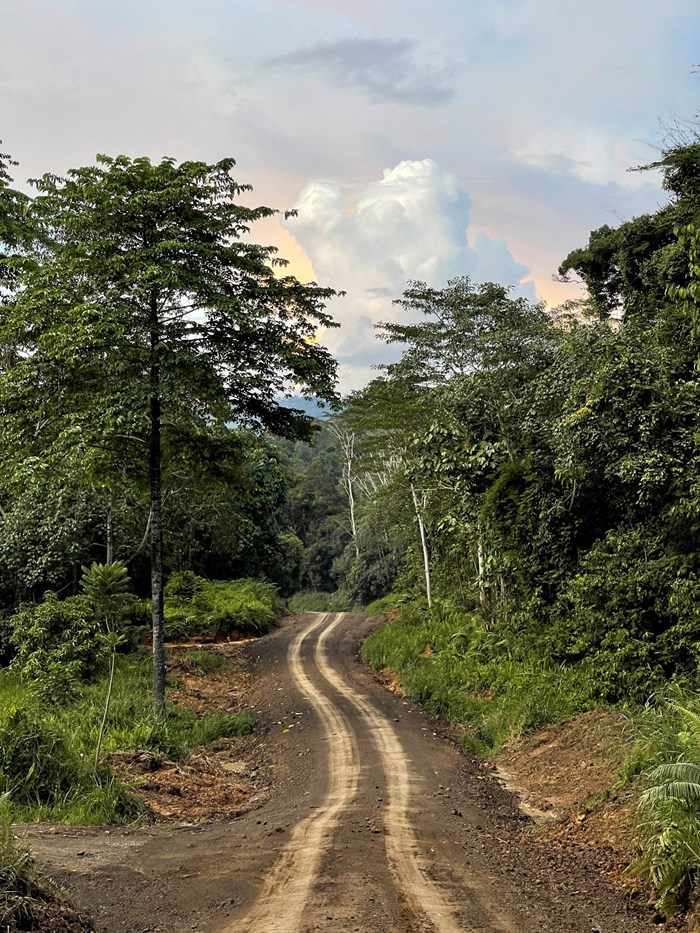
pixel 384 69
pixel 369 240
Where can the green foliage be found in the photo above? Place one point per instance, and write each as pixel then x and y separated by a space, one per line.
pixel 44 775
pixel 448 662
pixel 46 756
pixel 310 601
pixel 220 607
pixel 21 884
pixel 105 586
pixel 183 584
pixel 669 810
pixel 206 662
pixel 621 613
pixel 36 763
pixel 387 603
pixel 57 645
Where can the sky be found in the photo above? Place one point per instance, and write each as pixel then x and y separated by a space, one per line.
pixel 417 140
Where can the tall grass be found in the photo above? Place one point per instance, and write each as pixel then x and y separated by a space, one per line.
pixel 19 882
pixel 46 752
pixel 446 661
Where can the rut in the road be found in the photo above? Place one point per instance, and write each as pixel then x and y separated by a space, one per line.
pixel 280 905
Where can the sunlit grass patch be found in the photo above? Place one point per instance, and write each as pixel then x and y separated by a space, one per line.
pixel 445 660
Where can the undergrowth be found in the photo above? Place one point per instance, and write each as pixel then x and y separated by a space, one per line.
pixel 316 601
pixel 667 755
pixel 19 884
pixel 448 662
pixel 46 752
pixel 195 606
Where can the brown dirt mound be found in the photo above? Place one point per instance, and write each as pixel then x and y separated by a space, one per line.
pixel 564 766
pixel 212 786
pixel 564 777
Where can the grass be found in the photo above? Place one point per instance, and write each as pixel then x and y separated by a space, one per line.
pixel 445 661
pixel 46 752
pixel 206 662
pixel 19 883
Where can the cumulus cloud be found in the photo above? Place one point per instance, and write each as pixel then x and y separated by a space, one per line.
pixel 384 69
pixel 370 240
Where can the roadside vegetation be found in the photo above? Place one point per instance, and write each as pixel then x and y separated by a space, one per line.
pixel 57 727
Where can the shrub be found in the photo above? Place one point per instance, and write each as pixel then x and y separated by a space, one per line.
pixel 57 645
pixel 668 822
pixel 220 607
pixel 185 584
pixel 36 763
pixel 632 612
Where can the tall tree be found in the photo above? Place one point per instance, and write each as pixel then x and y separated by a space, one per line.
pixel 147 318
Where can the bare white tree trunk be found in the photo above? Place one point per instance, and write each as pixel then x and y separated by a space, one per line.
pixel 483 598
pixel 424 543
pixel 346 439
pixel 110 535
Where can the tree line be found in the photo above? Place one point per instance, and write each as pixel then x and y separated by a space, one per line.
pixel 543 467
pixel 146 344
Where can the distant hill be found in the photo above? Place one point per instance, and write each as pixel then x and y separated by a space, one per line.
pixel 308 406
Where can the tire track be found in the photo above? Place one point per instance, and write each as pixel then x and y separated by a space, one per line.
pixel 281 903
pixel 420 893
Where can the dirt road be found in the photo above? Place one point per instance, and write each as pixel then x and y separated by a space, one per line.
pixel 375 822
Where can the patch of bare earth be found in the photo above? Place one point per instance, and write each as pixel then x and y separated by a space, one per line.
pixel 565 778
pixel 216 782
pixel 389 680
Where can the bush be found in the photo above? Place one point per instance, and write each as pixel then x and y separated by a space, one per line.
pixel 45 774
pixel 632 611
pixel 668 822
pixel 219 608
pixel 185 584
pixel 57 645
pixel 36 763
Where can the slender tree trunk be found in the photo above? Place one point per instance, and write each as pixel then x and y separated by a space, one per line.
pixel 353 523
pixel 346 439
pixel 156 520
pixel 424 545
pixel 110 535
pixel 483 598
pixel 108 699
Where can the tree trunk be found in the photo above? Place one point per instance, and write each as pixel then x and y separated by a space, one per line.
pixel 110 535
pixel 483 598
pixel 353 523
pixel 424 545
pixel 156 520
